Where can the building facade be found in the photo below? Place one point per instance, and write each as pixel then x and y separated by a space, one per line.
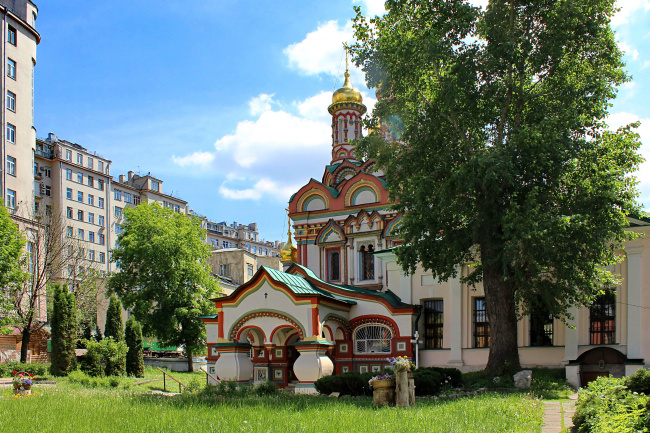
pixel 343 303
pixel 243 236
pixel 235 266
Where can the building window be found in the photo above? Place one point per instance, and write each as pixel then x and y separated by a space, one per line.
pixel 90 162
pixel 11 101
pixel 11 69
pixel 101 220
pixel 91 218
pixel 155 186
pixel 80 233
pixel 102 257
pixel 128 198
pixel 69 212
pixel 80 177
pixel 118 212
pixel 11 35
pixel 334 266
pixel 48 190
pixel 91 254
pixel 224 270
pixel 91 237
pixel 80 215
pixel 373 338
pixel 100 202
pixel 117 194
pixel 433 323
pixel 11 133
pixel 68 193
pixel 177 209
pixel 100 166
pixel 249 268
pixel 118 229
pixel 91 180
pixel 100 184
pixel 68 174
pixel 367 260
pixel 91 199
pixel 11 166
pixel 602 319
pixel 481 323
pixel 101 240
pixel 68 156
pixel 541 327
pixel 80 196
pixel 80 159
pixel 69 231
pixel 46 171
pixel 11 199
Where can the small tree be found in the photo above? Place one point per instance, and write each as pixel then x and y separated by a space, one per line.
pixel 11 274
pixel 64 332
pixel 134 360
pixel 114 327
pixel 106 357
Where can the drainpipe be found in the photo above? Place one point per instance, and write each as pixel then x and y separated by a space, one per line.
pixel 416 335
pixel 3 143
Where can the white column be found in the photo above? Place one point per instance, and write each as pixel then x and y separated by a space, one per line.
pixel 635 302
pixel 406 288
pixel 456 320
pixel 571 336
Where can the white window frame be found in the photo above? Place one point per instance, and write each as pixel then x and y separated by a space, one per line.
pixel 11 199
pixel 11 133
pixel 371 340
pixel 11 101
pixel 11 165
pixel 11 68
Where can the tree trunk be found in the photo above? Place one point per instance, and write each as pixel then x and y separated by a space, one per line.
pixel 502 316
pixel 190 361
pixel 25 344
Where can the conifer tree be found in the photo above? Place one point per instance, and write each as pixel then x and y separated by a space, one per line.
pixel 114 327
pixel 64 332
pixel 134 360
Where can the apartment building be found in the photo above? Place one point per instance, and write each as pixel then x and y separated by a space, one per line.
pixel 235 266
pixel 19 41
pixel 243 236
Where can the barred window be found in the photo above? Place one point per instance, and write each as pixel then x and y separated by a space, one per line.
pixel 374 338
pixel 602 318
pixel 541 328
pixel 481 324
pixel 433 323
pixel 334 266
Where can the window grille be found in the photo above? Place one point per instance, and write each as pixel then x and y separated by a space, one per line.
pixel 602 317
pixel 334 273
pixel 433 323
pixel 541 327
pixel 481 324
pixel 372 339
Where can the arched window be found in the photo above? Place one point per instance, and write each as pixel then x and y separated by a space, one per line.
pixel 334 266
pixel 367 262
pixel 373 338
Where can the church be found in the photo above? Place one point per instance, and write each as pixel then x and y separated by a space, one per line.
pixel 343 304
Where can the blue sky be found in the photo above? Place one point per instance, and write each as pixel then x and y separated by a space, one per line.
pixel 226 100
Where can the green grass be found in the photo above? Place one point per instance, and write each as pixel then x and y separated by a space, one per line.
pixel 70 407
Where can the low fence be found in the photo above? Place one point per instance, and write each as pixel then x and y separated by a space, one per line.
pixel 176 364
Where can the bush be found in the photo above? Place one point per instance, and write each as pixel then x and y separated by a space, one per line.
pixel 266 388
pixel 351 383
pixel 194 385
pixel 99 382
pixel 134 357
pixel 483 379
pixel 639 382
pixel 38 370
pixel 427 381
pixel 107 357
pixel 606 405
pixel 228 388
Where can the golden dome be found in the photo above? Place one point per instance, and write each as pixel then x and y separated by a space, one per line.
pixel 347 93
pixel 289 253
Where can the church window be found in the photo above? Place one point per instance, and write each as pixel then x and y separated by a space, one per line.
pixel 367 260
pixel 602 318
pixel 334 266
pixel 433 323
pixel 481 323
pixel 373 338
pixel 541 327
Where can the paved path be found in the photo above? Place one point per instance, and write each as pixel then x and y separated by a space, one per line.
pixel 555 411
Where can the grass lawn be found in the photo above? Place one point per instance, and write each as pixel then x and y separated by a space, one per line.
pixel 70 407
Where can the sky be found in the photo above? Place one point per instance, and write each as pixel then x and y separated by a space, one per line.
pixel 226 100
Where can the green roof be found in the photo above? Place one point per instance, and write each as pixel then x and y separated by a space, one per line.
pixel 300 286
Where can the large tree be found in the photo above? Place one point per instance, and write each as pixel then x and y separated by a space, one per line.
pixel 164 278
pixel 503 158
pixel 12 243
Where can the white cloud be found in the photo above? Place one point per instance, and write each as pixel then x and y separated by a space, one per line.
pixel 372 7
pixel 321 51
pixel 315 107
pixel 643 174
pixel 629 50
pixel 645 64
pixel 260 104
pixel 201 159
pixel 262 187
pixel 628 8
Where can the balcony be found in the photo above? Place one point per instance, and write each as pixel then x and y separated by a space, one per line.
pixel 45 153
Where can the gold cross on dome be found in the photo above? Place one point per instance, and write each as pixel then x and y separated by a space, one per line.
pixel 347 50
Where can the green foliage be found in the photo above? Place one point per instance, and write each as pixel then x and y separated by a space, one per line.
pixel 90 381
pixel 64 332
pixel 266 389
pixel 509 160
pixel 428 381
pixel 105 358
pixel 639 382
pixel 228 389
pixel 114 327
pixel 606 405
pixel 165 279
pixel 38 370
pixel 134 357
pixel 12 242
pixel 350 383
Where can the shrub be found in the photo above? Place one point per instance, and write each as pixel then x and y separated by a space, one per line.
pixel 639 382
pixel 427 381
pixel 134 357
pixel 228 388
pixel 483 379
pixel 99 382
pixel 606 405
pixel 266 388
pixel 64 332
pixel 351 383
pixel 106 357
pixel 114 326
pixel 38 370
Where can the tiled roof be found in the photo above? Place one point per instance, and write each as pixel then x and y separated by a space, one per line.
pixel 300 286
